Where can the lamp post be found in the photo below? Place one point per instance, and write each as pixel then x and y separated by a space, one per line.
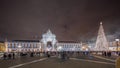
pixel 117 43
pixel 19 49
pixel 59 49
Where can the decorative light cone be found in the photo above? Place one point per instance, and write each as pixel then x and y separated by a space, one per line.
pixel 101 42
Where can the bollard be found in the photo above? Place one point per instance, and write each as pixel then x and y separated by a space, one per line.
pixel 118 62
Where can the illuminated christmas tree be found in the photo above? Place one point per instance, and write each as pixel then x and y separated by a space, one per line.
pixel 101 42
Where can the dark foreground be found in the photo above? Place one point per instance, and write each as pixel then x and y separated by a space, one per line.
pixel 55 62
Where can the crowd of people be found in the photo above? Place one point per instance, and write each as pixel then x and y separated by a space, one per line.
pixel 13 55
pixel 64 55
pixel 106 54
pixel 109 53
pixel 9 56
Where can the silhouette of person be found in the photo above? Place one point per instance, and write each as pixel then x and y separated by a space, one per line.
pixel 4 56
pixel 9 56
pixel 13 55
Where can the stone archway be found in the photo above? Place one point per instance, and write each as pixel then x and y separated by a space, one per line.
pixel 49 39
pixel 49 46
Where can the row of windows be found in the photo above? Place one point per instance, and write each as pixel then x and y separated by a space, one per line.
pixel 24 50
pixel 71 49
pixel 23 46
pixel 70 46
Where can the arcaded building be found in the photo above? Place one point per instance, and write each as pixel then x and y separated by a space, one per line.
pixel 47 43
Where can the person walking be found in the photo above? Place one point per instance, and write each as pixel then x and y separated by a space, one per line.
pixel 48 54
pixel 31 54
pixel 4 56
pixel 9 56
pixel 13 55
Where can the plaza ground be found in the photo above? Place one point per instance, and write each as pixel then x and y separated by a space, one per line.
pixel 55 62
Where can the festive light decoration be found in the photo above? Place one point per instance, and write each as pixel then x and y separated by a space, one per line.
pixel 101 42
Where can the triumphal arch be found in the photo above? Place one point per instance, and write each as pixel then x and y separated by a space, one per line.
pixel 49 41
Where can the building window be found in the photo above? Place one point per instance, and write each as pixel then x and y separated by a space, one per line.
pixel 34 46
pixel 12 45
pixel 8 45
pixel 28 45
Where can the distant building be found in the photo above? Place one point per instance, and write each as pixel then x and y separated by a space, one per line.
pixel 47 43
pixel 2 47
pixel 113 46
pixel 50 43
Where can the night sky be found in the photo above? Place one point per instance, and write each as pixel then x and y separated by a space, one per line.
pixel 68 19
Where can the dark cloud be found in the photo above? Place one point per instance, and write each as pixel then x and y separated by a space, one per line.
pixel 68 19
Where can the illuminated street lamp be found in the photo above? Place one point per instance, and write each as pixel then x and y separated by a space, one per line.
pixel 83 47
pixel 117 43
pixel 60 48
pixel 19 47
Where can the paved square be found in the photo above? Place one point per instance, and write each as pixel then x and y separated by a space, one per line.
pixel 55 62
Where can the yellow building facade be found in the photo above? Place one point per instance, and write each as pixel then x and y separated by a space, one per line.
pixel 2 47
